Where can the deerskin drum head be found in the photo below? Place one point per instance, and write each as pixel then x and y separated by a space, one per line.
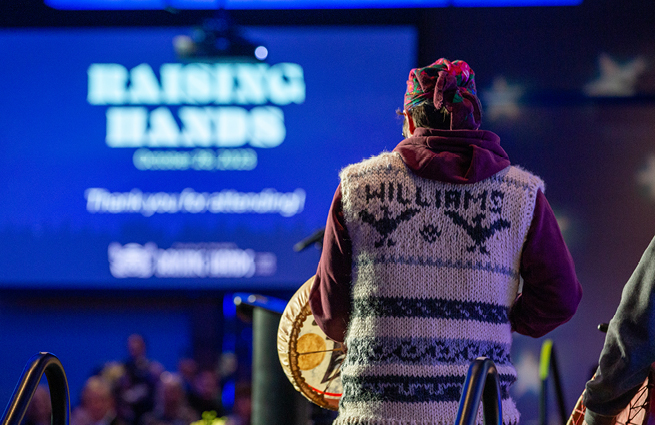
pixel 310 359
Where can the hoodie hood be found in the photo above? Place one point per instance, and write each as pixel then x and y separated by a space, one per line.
pixel 453 156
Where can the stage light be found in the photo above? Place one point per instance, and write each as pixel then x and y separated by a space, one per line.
pixel 184 46
pixel 218 39
pixel 261 53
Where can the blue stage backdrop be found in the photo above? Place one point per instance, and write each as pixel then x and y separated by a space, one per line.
pixel 124 166
pixel 292 4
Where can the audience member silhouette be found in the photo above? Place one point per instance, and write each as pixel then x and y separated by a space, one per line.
pixel 39 411
pixel 98 405
pixel 136 391
pixel 171 405
pixel 206 394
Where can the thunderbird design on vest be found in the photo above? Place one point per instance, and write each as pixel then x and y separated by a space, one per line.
pixel 477 231
pixel 386 225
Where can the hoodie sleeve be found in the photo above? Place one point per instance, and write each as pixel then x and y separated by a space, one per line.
pixel 551 291
pixel 329 297
pixel 629 348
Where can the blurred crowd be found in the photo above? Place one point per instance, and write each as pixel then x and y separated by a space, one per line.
pixel 139 391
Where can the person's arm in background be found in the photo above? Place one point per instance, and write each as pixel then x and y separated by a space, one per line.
pixel 551 291
pixel 329 298
pixel 629 348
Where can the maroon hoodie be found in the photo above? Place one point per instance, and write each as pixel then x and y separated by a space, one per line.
pixel 551 291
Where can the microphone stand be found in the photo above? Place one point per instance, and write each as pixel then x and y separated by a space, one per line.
pixel 315 238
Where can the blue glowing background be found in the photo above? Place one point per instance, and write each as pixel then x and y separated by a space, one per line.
pixel 53 149
pixel 292 4
pixel 570 91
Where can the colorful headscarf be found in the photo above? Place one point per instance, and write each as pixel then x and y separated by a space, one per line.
pixel 447 84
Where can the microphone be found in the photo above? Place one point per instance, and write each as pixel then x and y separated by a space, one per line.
pixel 314 238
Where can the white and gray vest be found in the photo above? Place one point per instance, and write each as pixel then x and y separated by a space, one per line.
pixel 435 272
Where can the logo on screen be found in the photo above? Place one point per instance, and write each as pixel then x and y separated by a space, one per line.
pixel 209 260
pixel 195 116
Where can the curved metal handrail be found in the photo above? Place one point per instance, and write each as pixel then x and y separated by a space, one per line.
pixel 481 384
pixel 547 364
pixel 59 395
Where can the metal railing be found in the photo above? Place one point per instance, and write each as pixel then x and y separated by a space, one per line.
pixel 481 384
pixel 548 367
pixel 39 364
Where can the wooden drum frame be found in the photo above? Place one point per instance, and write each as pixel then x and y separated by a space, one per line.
pixel 310 359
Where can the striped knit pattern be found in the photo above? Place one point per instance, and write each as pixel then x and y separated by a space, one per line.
pixel 435 271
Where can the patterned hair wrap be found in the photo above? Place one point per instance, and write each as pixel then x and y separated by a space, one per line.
pixel 450 85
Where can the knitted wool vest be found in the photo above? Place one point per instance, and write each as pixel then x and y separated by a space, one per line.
pixel 435 272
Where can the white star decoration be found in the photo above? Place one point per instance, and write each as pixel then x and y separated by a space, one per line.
pixel 527 370
pixel 616 79
pixel 646 176
pixel 502 99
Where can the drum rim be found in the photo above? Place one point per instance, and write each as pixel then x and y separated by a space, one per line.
pixel 315 396
pixel 293 318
